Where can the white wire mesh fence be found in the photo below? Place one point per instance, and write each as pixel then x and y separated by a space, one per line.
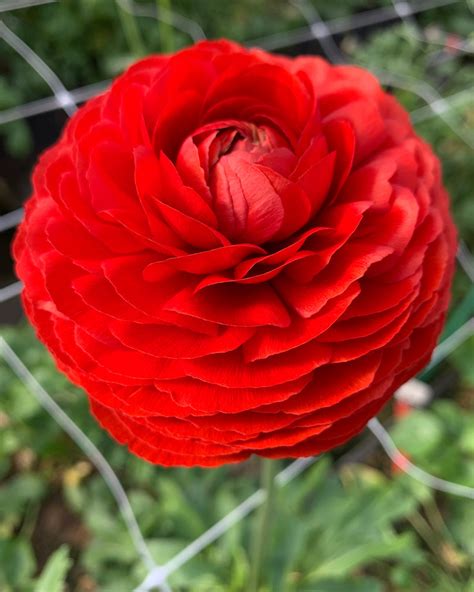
pixel 318 30
pixel 158 574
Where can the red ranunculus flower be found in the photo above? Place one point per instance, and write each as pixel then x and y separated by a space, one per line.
pixel 235 253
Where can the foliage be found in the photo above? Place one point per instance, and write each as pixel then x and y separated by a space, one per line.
pixel 354 528
pixel 53 577
pixel 340 528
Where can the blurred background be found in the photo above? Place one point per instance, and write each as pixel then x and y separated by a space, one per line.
pixel 351 522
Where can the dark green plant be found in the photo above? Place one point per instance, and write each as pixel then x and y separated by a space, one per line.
pixel 354 529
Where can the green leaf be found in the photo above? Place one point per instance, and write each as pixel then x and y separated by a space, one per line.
pixel 419 433
pixel 19 491
pixel 17 563
pixel 462 359
pixel 353 585
pixel 54 574
pixel 358 555
pixel 18 139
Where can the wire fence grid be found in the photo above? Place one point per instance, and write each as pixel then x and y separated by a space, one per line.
pixel 323 32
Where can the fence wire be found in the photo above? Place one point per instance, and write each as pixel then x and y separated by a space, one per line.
pixel 84 443
pixel 62 95
pixel 323 32
pixel 8 5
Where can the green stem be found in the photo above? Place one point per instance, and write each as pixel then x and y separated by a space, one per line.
pixel 166 30
pixel 130 29
pixel 261 539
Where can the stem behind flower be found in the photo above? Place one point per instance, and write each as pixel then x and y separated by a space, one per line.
pixel 166 30
pixel 130 28
pixel 261 539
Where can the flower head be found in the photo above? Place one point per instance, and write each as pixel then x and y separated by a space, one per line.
pixel 236 253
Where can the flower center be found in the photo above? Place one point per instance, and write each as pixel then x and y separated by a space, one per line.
pixel 238 163
pixel 248 141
